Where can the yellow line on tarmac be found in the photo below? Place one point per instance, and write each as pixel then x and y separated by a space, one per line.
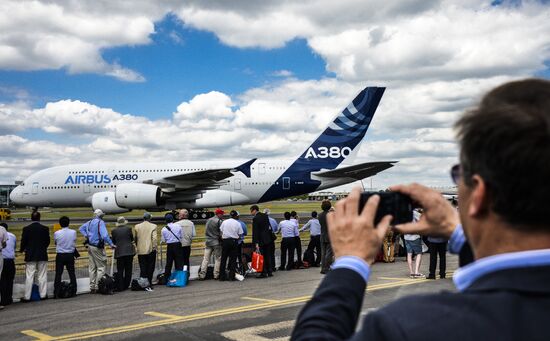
pixel 259 299
pixel 172 319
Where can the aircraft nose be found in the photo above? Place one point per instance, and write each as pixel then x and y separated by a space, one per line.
pixel 15 195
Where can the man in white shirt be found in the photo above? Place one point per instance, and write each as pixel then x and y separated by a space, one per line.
pixel 187 235
pixel 288 230
pixel 231 230
pixel 65 245
pixel 171 235
pixel 8 271
pixel 314 227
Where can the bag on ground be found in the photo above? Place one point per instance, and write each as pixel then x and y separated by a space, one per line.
pixel 178 279
pixel 309 257
pixel 139 284
pixel 35 293
pixel 161 279
pixel 106 285
pixel 66 290
pixel 257 261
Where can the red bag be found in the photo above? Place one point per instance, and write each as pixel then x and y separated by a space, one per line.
pixel 257 261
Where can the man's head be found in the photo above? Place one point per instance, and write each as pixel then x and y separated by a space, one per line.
pixel 504 158
pixel 4 225
pixel 267 211
pixel 219 212
pixel 287 215
pixel 314 214
pixel 99 213
pixel 168 218
pixel 234 214
pixel 147 216
pixel 35 216
pixel 293 214
pixel 64 221
pixel 326 205
pixel 183 214
pixel 254 209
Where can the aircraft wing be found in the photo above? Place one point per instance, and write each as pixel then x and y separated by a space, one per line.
pixel 200 180
pixel 358 172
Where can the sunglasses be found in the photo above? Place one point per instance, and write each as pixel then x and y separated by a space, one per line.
pixel 456 173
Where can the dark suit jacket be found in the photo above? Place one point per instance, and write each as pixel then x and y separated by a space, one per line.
pixel 324 227
pixel 124 241
pixel 35 240
pixel 505 305
pixel 261 233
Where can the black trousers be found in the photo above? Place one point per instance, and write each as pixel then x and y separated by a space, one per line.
pixel 147 266
pixel 272 258
pixel 186 254
pixel 435 249
pixel 287 248
pixel 174 255
pixel 124 271
pixel 6 281
pixel 266 251
pixel 298 247
pixel 229 250
pixel 315 244
pixel 63 260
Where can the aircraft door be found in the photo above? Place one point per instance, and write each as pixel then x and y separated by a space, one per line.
pixel 35 188
pixel 86 188
pixel 261 168
pixel 237 184
pixel 286 183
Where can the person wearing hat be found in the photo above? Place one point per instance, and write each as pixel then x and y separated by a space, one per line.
pixel 231 232
pixel 96 236
pixel 145 237
pixel 213 245
pixel 171 235
pixel 124 253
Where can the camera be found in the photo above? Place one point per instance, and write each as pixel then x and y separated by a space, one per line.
pixel 398 205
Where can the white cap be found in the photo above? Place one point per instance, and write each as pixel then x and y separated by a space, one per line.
pixel 99 213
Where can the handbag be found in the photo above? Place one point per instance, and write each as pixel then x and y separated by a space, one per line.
pixel 424 247
pixel 177 279
pixel 257 261
pixel 76 254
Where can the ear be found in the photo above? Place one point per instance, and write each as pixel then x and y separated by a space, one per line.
pixel 479 197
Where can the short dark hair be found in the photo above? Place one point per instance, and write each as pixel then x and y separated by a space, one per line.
pixel 4 225
pixel 169 217
pixel 287 215
pixel 326 205
pixel 506 141
pixel 293 213
pixel 64 221
pixel 35 216
pixel 254 208
pixel 314 214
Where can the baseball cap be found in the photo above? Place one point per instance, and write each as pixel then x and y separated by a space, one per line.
pixel 99 213
pixel 234 214
pixel 219 211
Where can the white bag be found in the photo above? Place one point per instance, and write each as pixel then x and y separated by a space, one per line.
pixel 424 247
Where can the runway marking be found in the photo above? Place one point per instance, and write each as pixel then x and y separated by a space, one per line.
pixel 259 299
pixel 167 319
pixel 253 333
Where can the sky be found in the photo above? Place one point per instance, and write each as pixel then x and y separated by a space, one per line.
pixel 154 81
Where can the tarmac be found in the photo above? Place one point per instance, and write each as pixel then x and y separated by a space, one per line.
pixel 255 309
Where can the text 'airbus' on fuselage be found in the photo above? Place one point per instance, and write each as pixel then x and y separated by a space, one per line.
pixel 118 187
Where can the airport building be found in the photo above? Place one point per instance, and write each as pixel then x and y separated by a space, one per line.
pixel 319 196
pixel 5 191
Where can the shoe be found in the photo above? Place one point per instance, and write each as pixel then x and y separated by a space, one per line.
pixel 323 272
pixel 274 270
pixel 201 278
pixel 419 275
pixel 431 277
pixel 262 276
pixel 1 307
pixel 93 291
pixel 442 277
pixel 149 289
pixel 282 269
pixel 23 300
pixel 269 275
pixel 412 276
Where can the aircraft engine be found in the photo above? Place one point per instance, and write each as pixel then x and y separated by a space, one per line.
pixel 106 202
pixel 134 195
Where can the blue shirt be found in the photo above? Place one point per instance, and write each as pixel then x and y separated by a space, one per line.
pixel 274 225
pixel 9 251
pixel 65 240
pixel 288 229
pixel 245 231
pixel 313 226
pixel 168 237
pixel 93 230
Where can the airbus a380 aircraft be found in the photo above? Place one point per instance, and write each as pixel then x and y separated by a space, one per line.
pixel 118 188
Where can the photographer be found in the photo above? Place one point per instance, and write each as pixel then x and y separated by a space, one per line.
pixel 503 187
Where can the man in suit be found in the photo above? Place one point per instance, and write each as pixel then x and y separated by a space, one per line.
pixel 262 238
pixel 502 186
pixel 125 251
pixel 35 240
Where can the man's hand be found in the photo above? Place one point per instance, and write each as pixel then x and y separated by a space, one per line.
pixel 354 234
pixel 439 217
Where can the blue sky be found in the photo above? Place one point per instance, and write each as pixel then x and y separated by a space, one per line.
pixel 150 81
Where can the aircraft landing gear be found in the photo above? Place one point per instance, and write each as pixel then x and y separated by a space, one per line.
pixel 200 214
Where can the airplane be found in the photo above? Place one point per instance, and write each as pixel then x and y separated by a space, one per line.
pixel 117 188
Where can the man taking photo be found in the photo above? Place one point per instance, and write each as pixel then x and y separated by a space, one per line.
pixel 502 187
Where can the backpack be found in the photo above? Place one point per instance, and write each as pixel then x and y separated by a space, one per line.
pixel 309 257
pixel 161 279
pixel 65 290
pixel 139 284
pixel 106 285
